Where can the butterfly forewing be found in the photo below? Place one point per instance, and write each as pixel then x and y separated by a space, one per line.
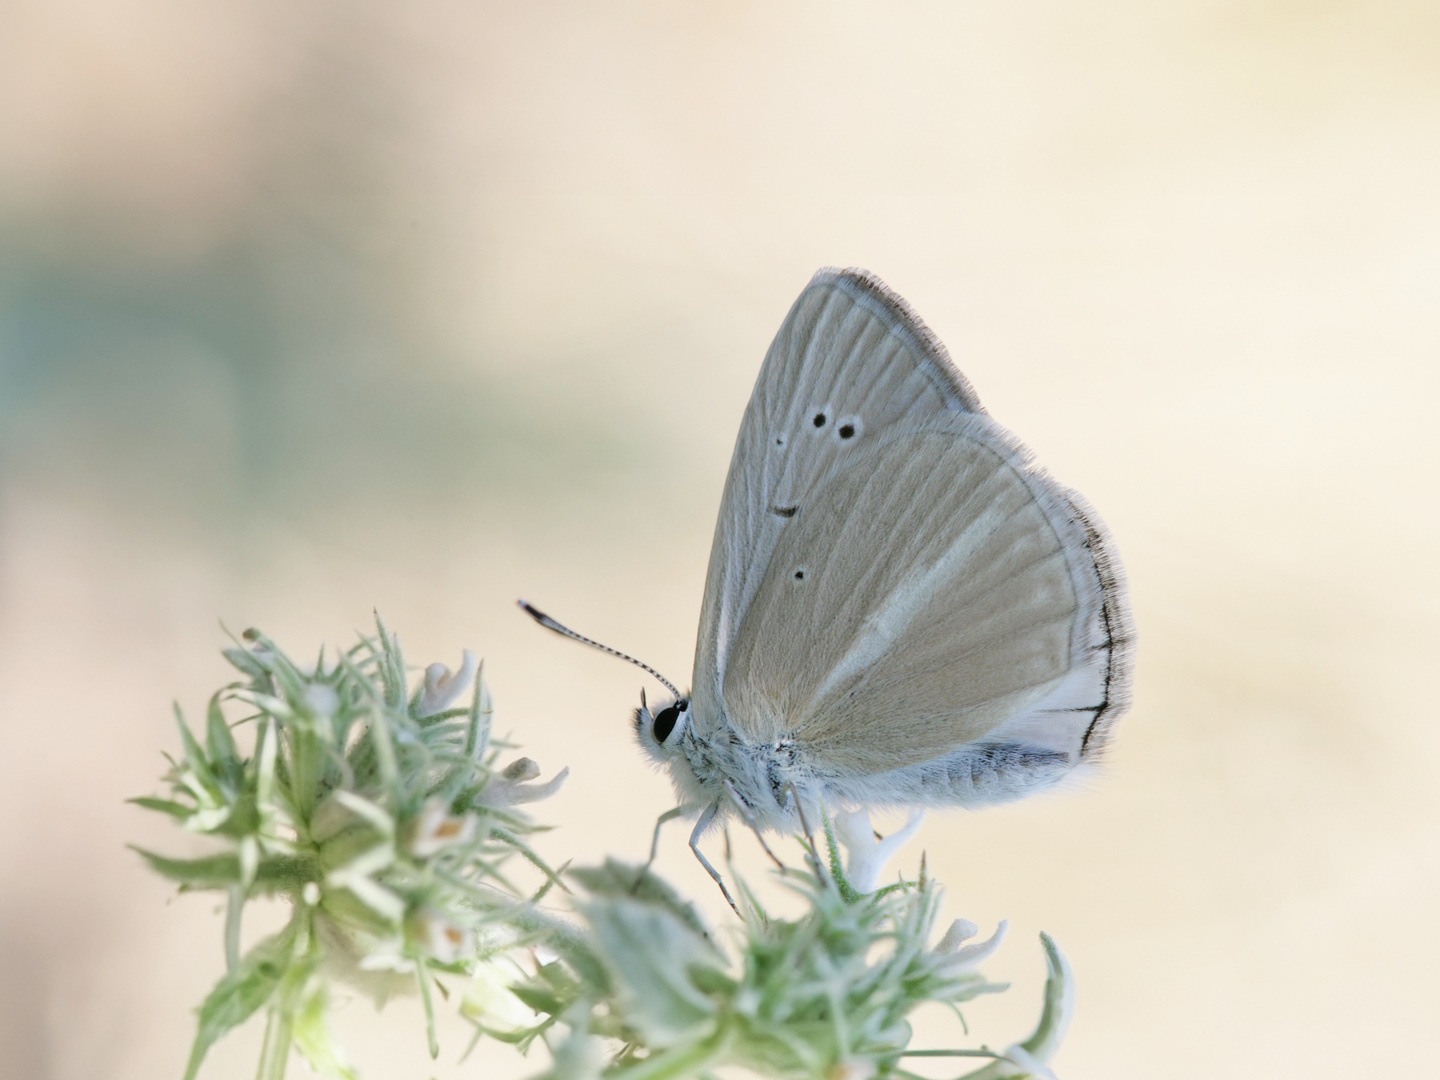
pixel 849 364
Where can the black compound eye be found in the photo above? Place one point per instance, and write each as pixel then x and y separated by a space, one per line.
pixel 665 721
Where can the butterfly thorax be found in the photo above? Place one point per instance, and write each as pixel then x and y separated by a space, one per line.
pixel 765 778
pixel 762 781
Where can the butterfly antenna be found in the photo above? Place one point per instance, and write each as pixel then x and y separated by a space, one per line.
pixel 559 628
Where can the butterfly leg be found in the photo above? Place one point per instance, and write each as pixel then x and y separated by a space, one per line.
pixel 700 826
pixel 669 815
pixel 749 817
pixel 815 861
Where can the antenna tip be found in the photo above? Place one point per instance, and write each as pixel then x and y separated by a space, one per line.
pixel 534 612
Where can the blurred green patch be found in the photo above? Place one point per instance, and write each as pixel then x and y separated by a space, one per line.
pixel 273 381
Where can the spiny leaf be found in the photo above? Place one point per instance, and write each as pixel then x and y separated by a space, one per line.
pixel 241 992
pixel 194 753
pixel 224 754
pixel 163 806
pixel 208 872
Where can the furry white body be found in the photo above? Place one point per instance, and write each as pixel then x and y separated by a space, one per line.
pixel 766 778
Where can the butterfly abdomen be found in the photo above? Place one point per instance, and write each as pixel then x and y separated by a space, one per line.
pixel 975 775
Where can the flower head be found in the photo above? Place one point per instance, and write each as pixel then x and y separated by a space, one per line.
pixel 511 786
pixel 488 999
pixel 437 829
pixel 443 686
pixel 440 936
pixel 868 853
pixel 957 955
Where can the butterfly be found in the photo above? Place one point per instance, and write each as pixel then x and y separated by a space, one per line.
pixel 901 609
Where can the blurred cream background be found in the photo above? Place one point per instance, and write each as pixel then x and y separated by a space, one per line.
pixel 313 308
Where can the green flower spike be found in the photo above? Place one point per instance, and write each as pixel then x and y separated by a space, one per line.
pixel 381 816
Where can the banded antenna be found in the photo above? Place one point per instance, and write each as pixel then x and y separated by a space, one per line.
pixel 559 628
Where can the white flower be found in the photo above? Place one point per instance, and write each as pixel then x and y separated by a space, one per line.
pixel 511 787
pixel 868 855
pixel 440 936
pixel 521 769
pixel 956 958
pixel 436 829
pixel 851 1069
pixel 487 999
pixel 442 686
pixel 387 954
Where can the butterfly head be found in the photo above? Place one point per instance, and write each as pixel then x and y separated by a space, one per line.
pixel 660 732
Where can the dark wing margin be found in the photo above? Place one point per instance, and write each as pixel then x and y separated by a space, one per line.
pixel 904 321
pixel 1118 628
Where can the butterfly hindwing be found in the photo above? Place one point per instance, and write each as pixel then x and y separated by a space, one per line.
pixel 919 601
